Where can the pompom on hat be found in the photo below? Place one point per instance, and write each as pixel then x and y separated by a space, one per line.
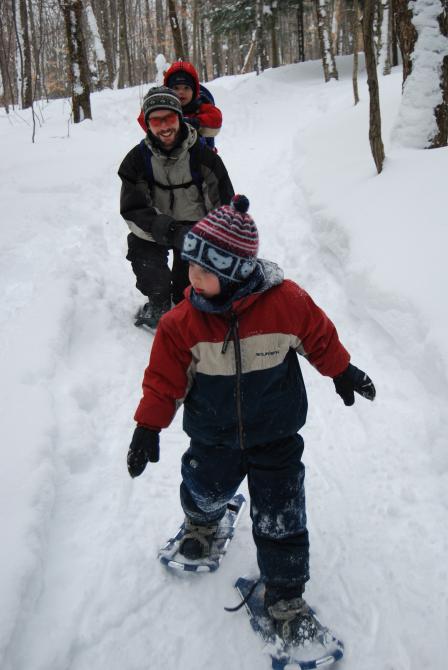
pixel 225 241
pixel 161 97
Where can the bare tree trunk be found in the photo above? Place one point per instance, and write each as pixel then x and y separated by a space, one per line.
pixel 250 54
pixel 300 33
pixel 20 13
pixel 406 33
pixel 196 34
pixel 394 39
pixel 108 40
pixel 175 29
pixel 441 111
pixel 216 60
pixel 386 51
pixel 8 89
pixel 260 57
pixel 376 142
pixel 78 69
pixel 273 25
pixel 160 36
pixel 184 28
pixel 355 29
pixel 323 28
pixel 125 55
pixel 202 42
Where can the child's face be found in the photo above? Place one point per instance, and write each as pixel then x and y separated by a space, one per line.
pixel 184 92
pixel 204 282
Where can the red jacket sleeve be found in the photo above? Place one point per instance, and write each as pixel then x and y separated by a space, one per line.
pixel 319 340
pixel 209 116
pixel 165 381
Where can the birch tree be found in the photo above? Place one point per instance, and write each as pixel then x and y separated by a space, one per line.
pixel 326 44
pixel 25 76
pixel 385 59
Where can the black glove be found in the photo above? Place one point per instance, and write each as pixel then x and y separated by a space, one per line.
pixel 353 379
pixel 144 447
pixel 192 121
pixel 178 235
pixel 169 232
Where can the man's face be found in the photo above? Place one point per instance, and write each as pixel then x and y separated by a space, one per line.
pixel 204 282
pixel 184 93
pixel 164 124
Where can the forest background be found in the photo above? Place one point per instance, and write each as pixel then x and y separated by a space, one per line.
pixel 62 48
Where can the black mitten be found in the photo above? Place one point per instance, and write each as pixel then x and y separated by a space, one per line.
pixel 181 229
pixel 169 232
pixel 351 380
pixel 144 448
pixel 162 229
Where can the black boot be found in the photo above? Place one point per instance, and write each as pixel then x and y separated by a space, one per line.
pixel 293 620
pixel 197 541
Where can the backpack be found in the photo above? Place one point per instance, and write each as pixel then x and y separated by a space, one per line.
pixel 195 168
pixel 205 94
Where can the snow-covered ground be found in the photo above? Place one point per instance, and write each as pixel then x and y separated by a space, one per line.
pixel 80 585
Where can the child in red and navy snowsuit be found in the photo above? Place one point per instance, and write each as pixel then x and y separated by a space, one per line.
pixel 197 102
pixel 229 353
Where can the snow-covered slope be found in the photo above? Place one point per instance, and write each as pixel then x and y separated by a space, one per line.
pixel 80 585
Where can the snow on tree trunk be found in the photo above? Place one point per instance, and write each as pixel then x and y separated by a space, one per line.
pixel 97 47
pixel 406 33
pixel 78 68
pixel 441 111
pixel 324 31
pixel 424 100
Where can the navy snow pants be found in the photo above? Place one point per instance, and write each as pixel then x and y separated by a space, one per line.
pixel 211 475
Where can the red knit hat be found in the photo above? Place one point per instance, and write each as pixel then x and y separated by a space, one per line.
pixel 225 242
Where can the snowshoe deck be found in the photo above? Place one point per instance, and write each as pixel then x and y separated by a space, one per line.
pixel 322 652
pixel 169 554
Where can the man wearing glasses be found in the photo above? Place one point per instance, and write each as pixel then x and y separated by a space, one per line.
pixel 169 181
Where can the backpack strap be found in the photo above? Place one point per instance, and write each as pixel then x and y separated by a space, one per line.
pixel 196 174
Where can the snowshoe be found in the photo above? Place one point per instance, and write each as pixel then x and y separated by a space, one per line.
pixel 179 555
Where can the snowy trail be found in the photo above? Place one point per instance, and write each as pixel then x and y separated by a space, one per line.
pixel 88 593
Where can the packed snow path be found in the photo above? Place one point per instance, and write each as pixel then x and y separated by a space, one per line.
pixel 80 584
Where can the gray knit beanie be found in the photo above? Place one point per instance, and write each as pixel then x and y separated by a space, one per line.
pixel 161 97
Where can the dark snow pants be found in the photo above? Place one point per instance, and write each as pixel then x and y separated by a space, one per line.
pixel 154 277
pixel 210 477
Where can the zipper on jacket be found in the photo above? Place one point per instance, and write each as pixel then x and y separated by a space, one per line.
pixel 233 334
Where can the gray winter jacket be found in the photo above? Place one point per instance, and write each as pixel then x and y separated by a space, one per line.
pixel 149 208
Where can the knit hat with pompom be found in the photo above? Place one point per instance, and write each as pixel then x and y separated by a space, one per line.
pixel 225 241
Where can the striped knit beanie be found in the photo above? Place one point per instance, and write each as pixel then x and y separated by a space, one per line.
pixel 225 241
pixel 161 97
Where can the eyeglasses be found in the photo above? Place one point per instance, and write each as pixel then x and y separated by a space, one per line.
pixel 156 121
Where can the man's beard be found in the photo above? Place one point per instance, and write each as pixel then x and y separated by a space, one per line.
pixel 181 134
